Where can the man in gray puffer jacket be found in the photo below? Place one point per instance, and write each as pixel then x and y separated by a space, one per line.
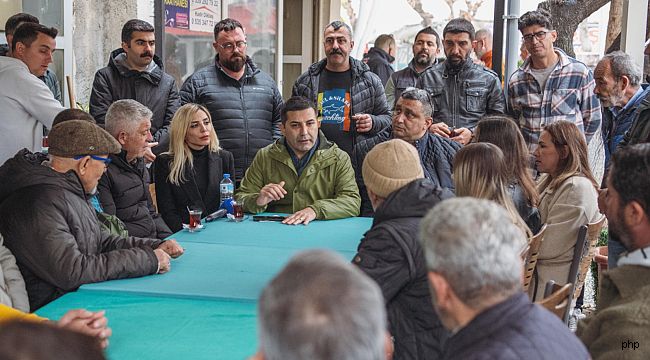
pixel 244 101
pixel 350 98
pixel 52 229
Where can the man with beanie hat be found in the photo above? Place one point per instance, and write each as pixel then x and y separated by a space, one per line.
pixel 52 229
pixel 390 253
pixel 410 122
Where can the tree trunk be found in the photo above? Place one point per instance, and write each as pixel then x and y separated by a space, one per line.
pixel 566 15
pixel 615 21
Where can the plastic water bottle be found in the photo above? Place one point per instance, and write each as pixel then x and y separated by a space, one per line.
pixel 227 189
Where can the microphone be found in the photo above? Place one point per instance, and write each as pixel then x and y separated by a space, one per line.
pixel 216 215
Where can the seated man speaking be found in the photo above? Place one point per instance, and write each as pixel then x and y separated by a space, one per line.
pixel 301 173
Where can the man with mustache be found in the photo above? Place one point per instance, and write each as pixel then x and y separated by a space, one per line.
pixel 244 101
pixel 135 72
pixel 410 122
pixel 425 52
pixel 302 173
pixel 462 91
pixel 550 85
pixel 350 98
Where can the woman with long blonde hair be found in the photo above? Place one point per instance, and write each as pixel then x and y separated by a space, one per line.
pixel 480 171
pixel 502 131
pixel 568 200
pixel 188 175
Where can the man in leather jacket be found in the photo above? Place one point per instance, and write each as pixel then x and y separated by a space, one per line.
pixel 462 91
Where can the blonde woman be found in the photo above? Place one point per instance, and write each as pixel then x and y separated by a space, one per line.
pixel 568 200
pixel 480 171
pixel 190 172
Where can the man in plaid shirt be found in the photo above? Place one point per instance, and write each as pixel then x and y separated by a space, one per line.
pixel 550 85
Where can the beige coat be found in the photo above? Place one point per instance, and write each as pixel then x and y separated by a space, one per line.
pixel 573 204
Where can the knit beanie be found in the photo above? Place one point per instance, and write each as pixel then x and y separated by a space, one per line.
pixel 391 165
pixel 80 137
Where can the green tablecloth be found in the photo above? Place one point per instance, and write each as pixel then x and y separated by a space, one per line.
pixel 204 308
pixel 150 327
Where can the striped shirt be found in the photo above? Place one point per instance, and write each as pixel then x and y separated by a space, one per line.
pixel 567 95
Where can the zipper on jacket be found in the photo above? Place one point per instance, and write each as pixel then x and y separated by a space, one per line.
pixel 245 118
pixel 455 96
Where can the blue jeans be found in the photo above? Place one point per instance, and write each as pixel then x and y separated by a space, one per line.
pixel 614 250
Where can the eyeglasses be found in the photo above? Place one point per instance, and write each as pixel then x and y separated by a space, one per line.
pixel 106 161
pixel 230 47
pixel 540 35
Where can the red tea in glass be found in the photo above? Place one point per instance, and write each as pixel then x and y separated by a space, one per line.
pixel 238 211
pixel 195 219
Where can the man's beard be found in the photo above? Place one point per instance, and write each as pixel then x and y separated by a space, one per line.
pixel 614 100
pixel 423 61
pixel 619 231
pixel 455 67
pixel 234 63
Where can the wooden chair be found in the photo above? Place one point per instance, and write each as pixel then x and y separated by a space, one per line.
pixel 531 257
pixel 557 299
pixel 584 254
pixel 152 192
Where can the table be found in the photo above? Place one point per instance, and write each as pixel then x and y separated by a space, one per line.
pixel 205 307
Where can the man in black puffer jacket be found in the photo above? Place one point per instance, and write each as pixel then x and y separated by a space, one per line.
pixel 124 188
pixel 350 98
pixel 52 229
pixel 411 119
pixel 134 72
pixel 244 101
pixel 390 253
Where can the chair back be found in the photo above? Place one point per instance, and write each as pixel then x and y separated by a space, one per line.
pixel 530 262
pixel 557 299
pixel 592 233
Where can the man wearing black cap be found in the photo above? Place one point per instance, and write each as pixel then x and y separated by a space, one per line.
pixel 52 229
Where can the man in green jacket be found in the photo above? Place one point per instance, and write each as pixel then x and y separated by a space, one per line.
pixel 302 173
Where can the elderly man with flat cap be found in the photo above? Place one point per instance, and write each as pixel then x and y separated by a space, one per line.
pixel 52 229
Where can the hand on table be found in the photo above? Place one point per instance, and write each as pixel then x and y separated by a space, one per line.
pixel 172 248
pixel 149 156
pixel 303 216
pixel 164 261
pixel 90 323
pixel 271 192
pixel 462 136
pixel 363 121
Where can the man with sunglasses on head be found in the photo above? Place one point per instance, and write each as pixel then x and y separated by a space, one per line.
pixel 135 72
pixel 550 85
pixel 243 100
pixel 411 120
pixel 50 226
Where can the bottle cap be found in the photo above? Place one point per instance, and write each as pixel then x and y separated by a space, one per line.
pixel 226 176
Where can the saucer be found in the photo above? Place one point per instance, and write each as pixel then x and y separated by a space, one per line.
pixel 198 228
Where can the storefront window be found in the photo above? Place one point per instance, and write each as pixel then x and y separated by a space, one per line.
pixel 189 33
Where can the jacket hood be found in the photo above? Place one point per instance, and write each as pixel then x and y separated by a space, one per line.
pixel 25 169
pixel 413 200
pixel 154 74
pixel 381 53
pixel 357 67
